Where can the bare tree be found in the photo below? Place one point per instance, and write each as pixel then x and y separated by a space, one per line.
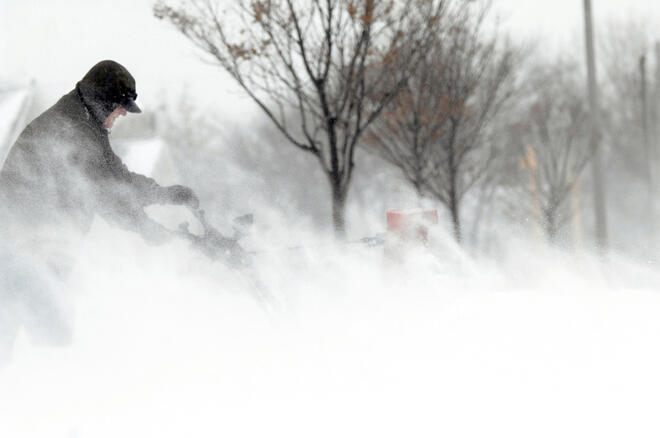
pixel 435 130
pixel 550 134
pixel 321 70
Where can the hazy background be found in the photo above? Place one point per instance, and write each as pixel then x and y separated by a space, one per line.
pixel 56 42
pixel 506 335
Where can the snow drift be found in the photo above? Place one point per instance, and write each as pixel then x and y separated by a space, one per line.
pixel 535 343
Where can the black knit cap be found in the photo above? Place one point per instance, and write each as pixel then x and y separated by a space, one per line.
pixel 108 84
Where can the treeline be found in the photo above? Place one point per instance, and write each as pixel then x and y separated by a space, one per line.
pixel 437 89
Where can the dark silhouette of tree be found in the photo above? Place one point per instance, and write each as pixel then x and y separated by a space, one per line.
pixel 321 70
pixel 435 130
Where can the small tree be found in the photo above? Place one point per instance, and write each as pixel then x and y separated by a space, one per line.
pixel 550 133
pixel 321 70
pixel 435 129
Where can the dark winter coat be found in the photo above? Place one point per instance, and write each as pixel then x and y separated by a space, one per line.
pixel 62 170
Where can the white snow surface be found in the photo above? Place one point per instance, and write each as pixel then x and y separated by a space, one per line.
pixel 537 343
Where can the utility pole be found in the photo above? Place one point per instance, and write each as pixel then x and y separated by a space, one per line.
pixel 600 211
pixel 646 137
pixel 655 107
pixel 648 153
pixel 645 113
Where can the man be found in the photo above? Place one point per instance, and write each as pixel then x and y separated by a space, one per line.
pixel 60 173
pixel 62 170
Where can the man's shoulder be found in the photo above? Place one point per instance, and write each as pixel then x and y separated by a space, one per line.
pixel 55 116
pixel 66 119
pixel 66 110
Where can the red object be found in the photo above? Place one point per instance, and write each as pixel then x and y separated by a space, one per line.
pixel 411 224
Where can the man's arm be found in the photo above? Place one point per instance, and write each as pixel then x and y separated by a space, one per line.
pixel 147 191
pixel 121 195
pixel 133 218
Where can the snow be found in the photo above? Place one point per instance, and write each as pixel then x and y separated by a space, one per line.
pixel 149 157
pixel 143 155
pixel 537 343
pixel 11 107
pixel 529 342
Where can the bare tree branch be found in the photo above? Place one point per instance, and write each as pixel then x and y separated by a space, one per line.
pixel 330 65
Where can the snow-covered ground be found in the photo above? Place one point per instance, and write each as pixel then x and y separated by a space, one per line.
pixel 534 343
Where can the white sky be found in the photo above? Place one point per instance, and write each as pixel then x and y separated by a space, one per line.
pixel 562 19
pixel 57 41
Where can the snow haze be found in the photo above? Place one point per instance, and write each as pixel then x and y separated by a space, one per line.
pixel 512 337
pixel 173 346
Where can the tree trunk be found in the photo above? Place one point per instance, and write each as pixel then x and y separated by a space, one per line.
pixel 338 209
pixel 455 215
pixel 418 190
pixel 551 228
pixel 453 186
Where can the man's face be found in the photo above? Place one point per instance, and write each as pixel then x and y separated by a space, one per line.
pixel 119 111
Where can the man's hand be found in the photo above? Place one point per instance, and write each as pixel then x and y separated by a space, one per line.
pixel 182 195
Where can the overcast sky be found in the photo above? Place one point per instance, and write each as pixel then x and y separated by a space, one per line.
pixel 559 20
pixel 57 41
